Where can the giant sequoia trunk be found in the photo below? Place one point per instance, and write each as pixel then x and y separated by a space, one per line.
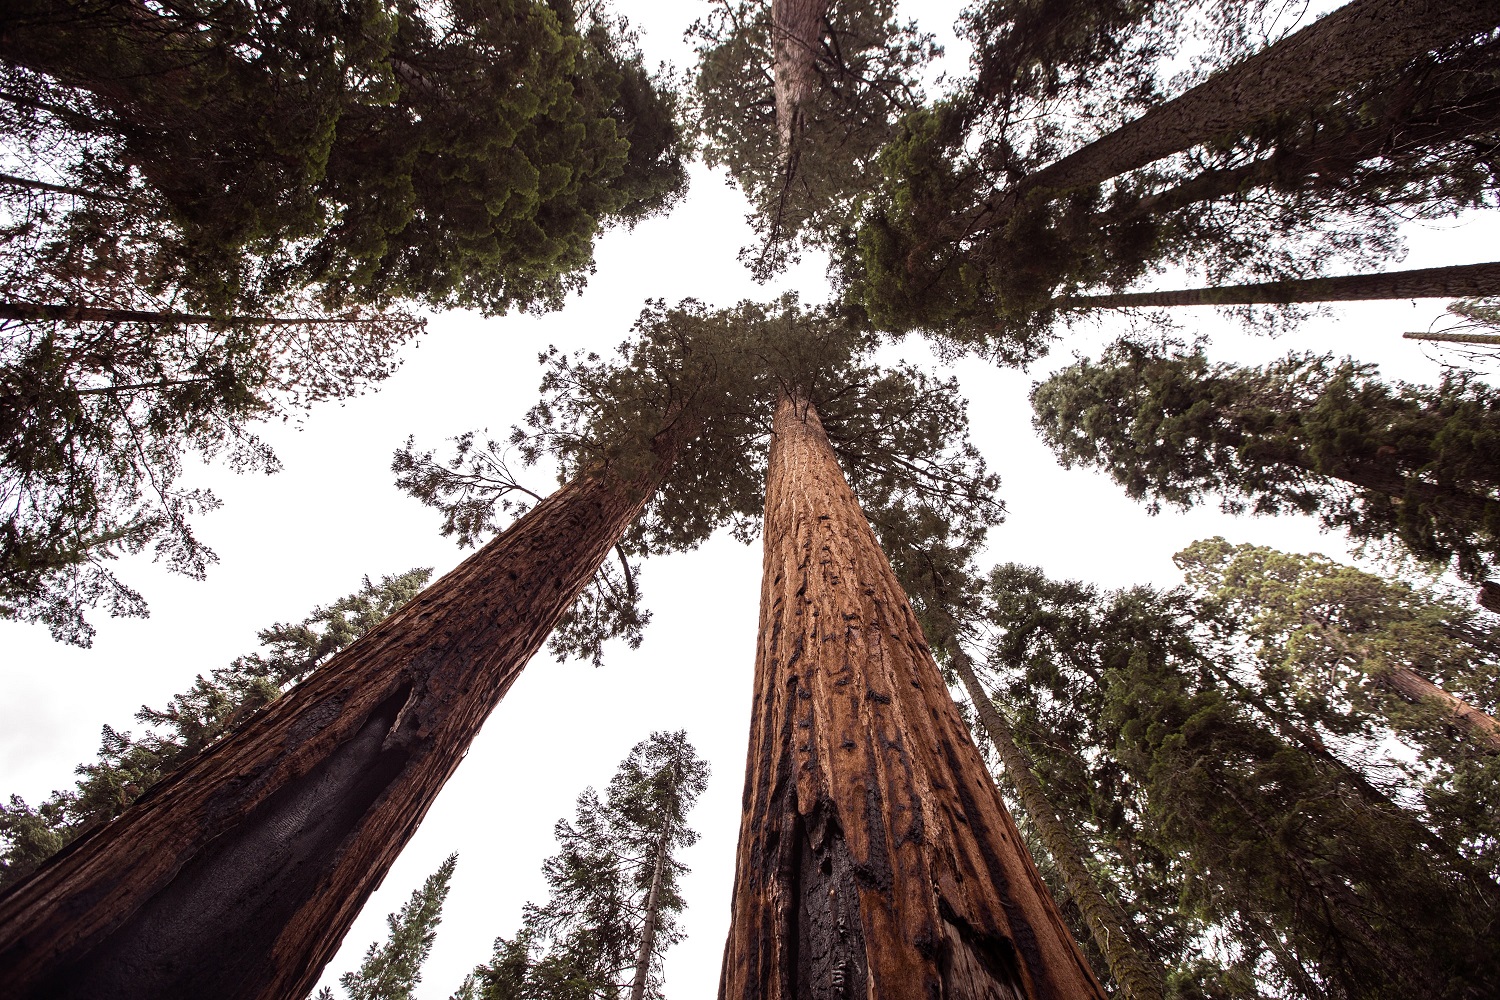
pixel 1353 45
pixel 876 859
pixel 238 876
pixel 1427 282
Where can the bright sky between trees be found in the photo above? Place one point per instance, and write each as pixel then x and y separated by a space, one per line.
pixel 307 535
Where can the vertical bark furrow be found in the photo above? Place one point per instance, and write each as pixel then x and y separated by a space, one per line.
pixel 947 902
pixel 238 875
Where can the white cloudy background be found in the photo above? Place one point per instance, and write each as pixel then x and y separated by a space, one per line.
pixel 306 536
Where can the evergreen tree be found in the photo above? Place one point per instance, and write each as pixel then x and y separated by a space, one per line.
pixel 345 765
pixel 1134 708
pixel 876 857
pixel 613 898
pixel 392 971
pixel 1386 462
pixel 463 153
pixel 191 721
pixel 1263 170
pixel 796 98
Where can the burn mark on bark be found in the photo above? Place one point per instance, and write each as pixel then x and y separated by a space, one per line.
pixel 213 924
pixel 830 958
pixel 976 965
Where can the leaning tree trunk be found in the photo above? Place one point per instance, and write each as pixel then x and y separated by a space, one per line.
pixel 1352 45
pixel 238 876
pixel 33 312
pixel 1421 283
pixel 876 859
pixel 653 904
pixel 1489 596
pixel 1455 338
pixel 1138 976
pixel 1414 687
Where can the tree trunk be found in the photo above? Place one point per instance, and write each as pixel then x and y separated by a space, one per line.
pixel 1455 338
pixel 1139 978
pixel 34 185
pixel 1489 596
pixel 648 926
pixel 876 859
pixel 1350 46
pixel 1414 687
pixel 796 36
pixel 1422 283
pixel 40 312
pixel 238 876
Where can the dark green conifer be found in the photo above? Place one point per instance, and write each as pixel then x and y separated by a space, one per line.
pixel 1387 462
pixel 613 900
pixel 391 971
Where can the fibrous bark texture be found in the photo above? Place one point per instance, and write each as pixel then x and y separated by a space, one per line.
pixel 238 876
pixel 1427 282
pixel 796 37
pixel 1350 46
pixel 1138 977
pixel 876 859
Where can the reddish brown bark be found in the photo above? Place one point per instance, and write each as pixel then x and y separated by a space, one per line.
pixel 238 876
pixel 1414 687
pixel 876 859
pixel 1354 44
pixel 1426 282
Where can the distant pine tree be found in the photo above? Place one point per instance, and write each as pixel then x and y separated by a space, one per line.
pixel 613 902
pixel 191 721
pixel 392 971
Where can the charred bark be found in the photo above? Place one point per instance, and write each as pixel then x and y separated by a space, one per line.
pixel 1352 45
pixel 238 876
pixel 876 859
pixel 1489 596
pixel 1459 280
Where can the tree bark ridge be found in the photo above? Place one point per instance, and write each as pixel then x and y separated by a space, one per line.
pixel 876 859
pixel 238 876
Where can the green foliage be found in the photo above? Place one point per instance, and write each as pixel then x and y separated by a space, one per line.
pixel 213 707
pixel 463 153
pixel 1326 636
pixel 1237 825
pixel 1397 462
pixel 945 248
pixel 582 944
pixel 901 437
pixel 391 971
pixel 866 65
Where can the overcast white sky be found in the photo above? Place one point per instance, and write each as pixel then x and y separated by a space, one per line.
pixel 306 536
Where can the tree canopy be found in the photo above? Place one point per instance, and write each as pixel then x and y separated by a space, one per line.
pixel 1386 462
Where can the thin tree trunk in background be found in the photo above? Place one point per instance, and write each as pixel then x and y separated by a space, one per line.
pixel 876 859
pixel 1138 976
pixel 796 36
pixel 238 876
pixel 1455 338
pixel 648 926
pixel 1413 686
pixel 29 184
pixel 1350 46
pixel 1422 283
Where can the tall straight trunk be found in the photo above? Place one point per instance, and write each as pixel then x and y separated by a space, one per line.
pixel 238 876
pixel 1420 283
pixel 796 36
pixel 1138 976
pixel 876 859
pixel 1352 45
pixel 1455 338
pixel 648 925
